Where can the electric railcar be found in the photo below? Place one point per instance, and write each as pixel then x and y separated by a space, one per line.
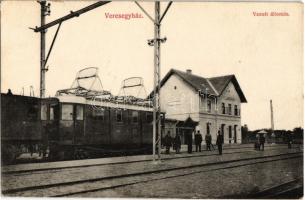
pixel 72 127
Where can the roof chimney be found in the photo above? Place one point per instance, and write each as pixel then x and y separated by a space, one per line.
pixel 189 71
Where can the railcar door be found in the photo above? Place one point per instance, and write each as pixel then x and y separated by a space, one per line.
pixel 135 128
pixel 71 124
pixel 79 124
pixel 50 123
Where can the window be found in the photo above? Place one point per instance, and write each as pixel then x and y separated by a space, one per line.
pixel 235 110
pixel 230 109
pixel 223 108
pixel 135 116
pixel 119 116
pixel 44 112
pixel 79 112
pixel 98 114
pixel 208 127
pixel 149 117
pixel 67 112
pixel 209 103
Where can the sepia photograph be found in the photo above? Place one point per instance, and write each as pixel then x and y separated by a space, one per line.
pixel 152 99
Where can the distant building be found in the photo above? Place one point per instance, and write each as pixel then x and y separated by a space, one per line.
pixel 213 102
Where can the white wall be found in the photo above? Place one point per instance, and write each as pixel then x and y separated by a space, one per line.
pixel 179 100
pixel 229 96
pixel 183 102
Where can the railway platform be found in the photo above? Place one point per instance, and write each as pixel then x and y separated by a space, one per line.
pixel 240 171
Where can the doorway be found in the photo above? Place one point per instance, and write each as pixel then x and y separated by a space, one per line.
pixel 230 134
pixel 235 133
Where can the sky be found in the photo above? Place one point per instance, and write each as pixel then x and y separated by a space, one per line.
pixel 212 38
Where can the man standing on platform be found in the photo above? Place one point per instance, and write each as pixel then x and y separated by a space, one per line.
pixel 189 140
pixel 261 142
pixel 219 142
pixel 208 140
pixel 289 140
pixel 167 142
pixel 198 140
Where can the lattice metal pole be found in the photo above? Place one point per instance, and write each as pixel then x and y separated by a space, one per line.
pixel 42 48
pixel 157 63
pixel 157 113
pixel 272 123
pixel 44 11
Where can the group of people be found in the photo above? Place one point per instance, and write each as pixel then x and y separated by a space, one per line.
pixel 261 139
pixel 169 141
pixel 260 142
pixel 175 142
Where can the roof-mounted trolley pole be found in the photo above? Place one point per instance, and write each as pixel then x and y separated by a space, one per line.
pixel 156 97
pixel 45 10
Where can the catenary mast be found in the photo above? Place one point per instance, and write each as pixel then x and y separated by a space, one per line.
pixel 43 13
pixel 272 120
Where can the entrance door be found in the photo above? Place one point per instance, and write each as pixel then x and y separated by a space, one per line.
pixel 50 120
pixel 235 134
pixel 230 134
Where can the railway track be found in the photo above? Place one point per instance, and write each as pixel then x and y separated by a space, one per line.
pixel 31 160
pixel 290 189
pixel 70 188
pixel 34 170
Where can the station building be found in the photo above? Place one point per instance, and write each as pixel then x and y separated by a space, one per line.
pixel 212 104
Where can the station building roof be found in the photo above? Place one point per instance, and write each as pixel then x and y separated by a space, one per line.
pixel 212 86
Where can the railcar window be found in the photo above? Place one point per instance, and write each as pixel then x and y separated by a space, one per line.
pixel 33 112
pixel 51 113
pixel 98 114
pixel 79 112
pixel 119 116
pixel 149 117
pixel 44 112
pixel 135 116
pixel 67 112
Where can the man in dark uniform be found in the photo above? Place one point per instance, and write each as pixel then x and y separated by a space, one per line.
pixel 261 141
pixel 167 142
pixel 198 140
pixel 189 140
pixel 289 140
pixel 219 142
pixel 9 92
pixel 208 140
